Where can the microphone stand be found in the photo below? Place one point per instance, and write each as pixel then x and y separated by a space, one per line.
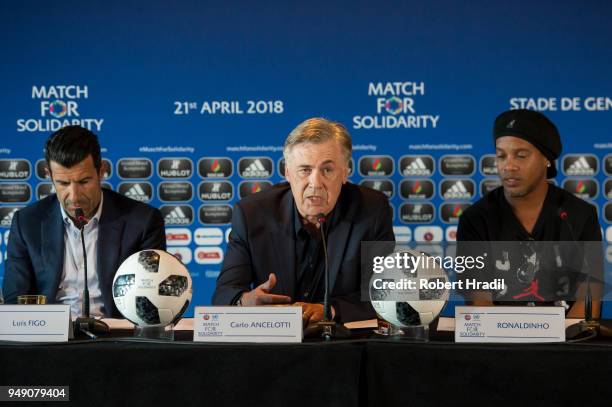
pixel 327 328
pixel 85 323
pixel 588 328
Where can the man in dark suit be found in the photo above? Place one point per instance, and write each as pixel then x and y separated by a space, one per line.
pixel 275 253
pixel 45 254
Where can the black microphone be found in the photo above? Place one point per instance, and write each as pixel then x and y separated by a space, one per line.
pixel 326 308
pixel 588 301
pixel 80 222
pixel 85 323
pixel 326 327
pixel 79 218
pixel 589 326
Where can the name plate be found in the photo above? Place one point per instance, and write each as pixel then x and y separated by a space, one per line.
pixel 509 324
pixel 247 324
pixel 34 323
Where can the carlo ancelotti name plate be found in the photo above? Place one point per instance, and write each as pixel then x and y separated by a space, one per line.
pixel 247 324
pixel 509 324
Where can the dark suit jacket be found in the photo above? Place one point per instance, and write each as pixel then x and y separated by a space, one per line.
pixel 35 257
pixel 263 241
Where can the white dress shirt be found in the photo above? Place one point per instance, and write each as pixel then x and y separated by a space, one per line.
pixel 71 286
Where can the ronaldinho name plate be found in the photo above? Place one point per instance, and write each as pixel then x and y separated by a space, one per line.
pixel 509 324
pixel 34 323
pixel 247 324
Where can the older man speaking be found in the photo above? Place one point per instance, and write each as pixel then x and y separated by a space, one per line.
pixel 275 252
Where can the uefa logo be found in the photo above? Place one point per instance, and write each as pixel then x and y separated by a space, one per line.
pixel 15 193
pixel 13 169
pixel 175 191
pixel 6 215
pixel 580 165
pixel 428 234
pixel 177 215
pixel 135 168
pixel 462 189
pixel 183 254
pixel 417 165
pixel 457 165
pixel 489 184
pixel 417 213
pixel 215 190
pixel 246 188
pixel 451 234
pixel 488 166
pixel 175 168
pixel 416 189
pixel 582 188
pixel 41 170
pixel 383 185
pixel 255 167
pixel 215 167
pixel 450 212
pixel 138 191
pixel 215 214
pixel 178 236
pixel 44 189
pixel 376 166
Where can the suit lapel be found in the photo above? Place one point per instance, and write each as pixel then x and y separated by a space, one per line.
pixel 109 246
pixel 336 245
pixel 283 247
pixel 52 232
pixel 338 236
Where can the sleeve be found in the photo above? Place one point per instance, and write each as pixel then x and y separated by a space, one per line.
pixel 154 232
pixel 18 271
pixel 236 273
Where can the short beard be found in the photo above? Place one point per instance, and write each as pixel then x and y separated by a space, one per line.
pixel 523 192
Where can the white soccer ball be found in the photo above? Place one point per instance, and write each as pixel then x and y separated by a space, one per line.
pixel 152 288
pixel 416 307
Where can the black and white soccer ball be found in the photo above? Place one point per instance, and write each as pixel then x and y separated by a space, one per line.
pixel 152 288
pixel 414 307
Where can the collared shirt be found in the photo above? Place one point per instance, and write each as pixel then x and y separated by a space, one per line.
pixel 309 257
pixel 70 290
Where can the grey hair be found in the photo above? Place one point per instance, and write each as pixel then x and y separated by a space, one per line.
pixel 319 130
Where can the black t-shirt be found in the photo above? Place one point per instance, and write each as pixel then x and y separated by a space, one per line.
pixel 492 219
pixel 558 269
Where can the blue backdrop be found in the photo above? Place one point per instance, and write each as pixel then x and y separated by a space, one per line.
pixel 192 100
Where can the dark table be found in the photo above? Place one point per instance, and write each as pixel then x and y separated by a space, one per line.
pixel 357 372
